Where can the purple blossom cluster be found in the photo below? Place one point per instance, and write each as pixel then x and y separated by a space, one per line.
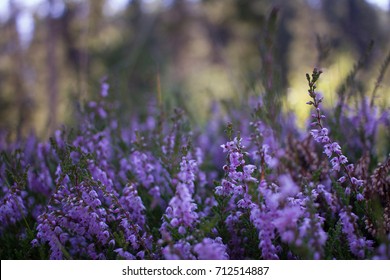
pixel 281 210
pixel 154 189
pixel 238 174
pixel 358 245
pixel 181 215
pixel 77 218
pixel 331 148
pixel 211 249
pixel 12 208
pixel 285 212
pixel 148 172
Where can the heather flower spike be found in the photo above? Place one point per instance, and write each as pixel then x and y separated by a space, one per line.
pixel 320 134
pixel 181 212
pixel 238 173
pixel 153 189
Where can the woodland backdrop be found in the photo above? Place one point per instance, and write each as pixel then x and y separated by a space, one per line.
pixel 182 53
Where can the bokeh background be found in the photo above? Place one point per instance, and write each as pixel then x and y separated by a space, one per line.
pixel 187 53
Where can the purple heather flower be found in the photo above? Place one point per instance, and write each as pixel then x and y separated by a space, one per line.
pixel 132 203
pixel 182 206
pixel 383 251
pixel 343 159
pixel 331 148
pixel 335 163
pixel 312 234
pixel 174 222
pixel 181 210
pixel 235 244
pixel 350 167
pixel 130 231
pixel 248 170
pixel 148 172
pixel 76 219
pixel 229 146
pixel 286 221
pixel 92 104
pixel 40 181
pixel 182 230
pixel 211 249
pixel 12 208
pixel 124 254
pixel 178 251
pixel 225 189
pixel 104 89
pixel 236 159
pixel 245 202
pixel 328 150
pixel 34 243
pixel 101 175
pixel 169 141
pixel 357 182
pixel 262 220
pixel 140 159
pixel 188 169
pixel 45 233
pixel 320 135
pixel 102 113
pixel 238 175
pixel 341 179
pixel 330 200
pixel 358 245
pixel 287 186
pixel 265 152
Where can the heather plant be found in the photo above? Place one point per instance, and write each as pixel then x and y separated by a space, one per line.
pixel 156 188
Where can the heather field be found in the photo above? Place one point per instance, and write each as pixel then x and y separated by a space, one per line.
pixel 195 130
pixel 248 186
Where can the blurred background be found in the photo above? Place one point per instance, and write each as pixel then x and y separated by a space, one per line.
pixel 187 53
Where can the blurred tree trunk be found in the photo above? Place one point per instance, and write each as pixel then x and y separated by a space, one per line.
pixel 21 101
pixel 180 18
pixel 52 68
pixel 75 35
